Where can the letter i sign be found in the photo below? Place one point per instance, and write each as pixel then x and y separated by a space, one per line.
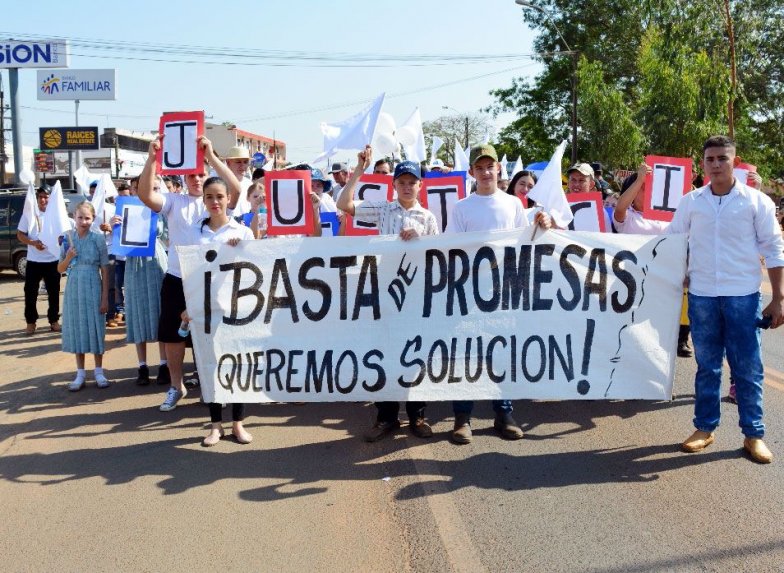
pixel 669 180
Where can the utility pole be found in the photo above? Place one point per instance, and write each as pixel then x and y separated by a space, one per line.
pixel 3 156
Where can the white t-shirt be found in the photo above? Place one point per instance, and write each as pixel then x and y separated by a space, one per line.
pixel 33 230
pixel 181 212
pixel 243 204
pixel 487 213
pixel 201 234
pixel 327 204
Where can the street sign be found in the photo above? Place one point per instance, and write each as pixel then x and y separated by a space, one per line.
pixel 76 84
pixel 68 138
pixel 34 54
pixel 44 161
pixel 259 159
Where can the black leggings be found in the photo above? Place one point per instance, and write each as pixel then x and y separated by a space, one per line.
pixel 216 412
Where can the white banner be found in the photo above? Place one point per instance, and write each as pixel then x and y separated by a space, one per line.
pixel 483 315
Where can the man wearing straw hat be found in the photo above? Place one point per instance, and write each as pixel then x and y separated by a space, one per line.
pixel 238 160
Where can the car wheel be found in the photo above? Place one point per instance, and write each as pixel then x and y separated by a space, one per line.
pixel 20 264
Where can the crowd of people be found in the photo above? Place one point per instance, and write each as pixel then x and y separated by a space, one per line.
pixel 730 226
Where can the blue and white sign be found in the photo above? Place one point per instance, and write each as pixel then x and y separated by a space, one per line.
pixel 34 54
pixel 259 159
pixel 76 84
pixel 135 235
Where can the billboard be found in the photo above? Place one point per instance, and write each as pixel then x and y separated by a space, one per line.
pixel 68 138
pixel 76 84
pixel 33 54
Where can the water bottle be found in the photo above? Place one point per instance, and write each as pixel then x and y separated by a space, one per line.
pixel 184 329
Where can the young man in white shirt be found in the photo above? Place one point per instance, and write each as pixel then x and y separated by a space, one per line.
pixel 488 209
pixel 730 225
pixel 406 218
pixel 41 264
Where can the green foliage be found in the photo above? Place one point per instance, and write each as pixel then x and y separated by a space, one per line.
pixel 664 63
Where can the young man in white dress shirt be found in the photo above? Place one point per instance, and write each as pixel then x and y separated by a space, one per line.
pixel 730 225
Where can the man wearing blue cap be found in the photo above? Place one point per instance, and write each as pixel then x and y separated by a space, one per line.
pixel 408 219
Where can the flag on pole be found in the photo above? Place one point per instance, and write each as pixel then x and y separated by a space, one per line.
pixel 461 158
pixel 56 222
pixel 103 190
pixel 412 138
pixel 504 162
pixel 518 166
pixel 82 176
pixel 548 191
pixel 353 133
pixel 30 212
pixel 435 146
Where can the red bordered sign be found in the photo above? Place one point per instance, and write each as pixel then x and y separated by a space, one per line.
pixel 668 182
pixel 588 211
pixel 180 153
pixel 439 195
pixel 370 187
pixel 289 210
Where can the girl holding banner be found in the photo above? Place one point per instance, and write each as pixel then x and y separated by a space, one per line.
pixel 86 299
pixel 218 227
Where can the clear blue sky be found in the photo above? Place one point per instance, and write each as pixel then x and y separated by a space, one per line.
pixel 289 101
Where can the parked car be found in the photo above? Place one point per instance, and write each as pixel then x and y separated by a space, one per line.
pixel 13 254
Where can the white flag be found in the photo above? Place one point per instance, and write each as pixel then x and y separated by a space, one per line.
pixel 353 133
pixel 104 189
pixel 461 158
pixel 504 163
pixel 518 166
pixel 30 212
pixel 56 222
pixel 548 191
pixel 82 176
pixel 435 146
pixel 412 138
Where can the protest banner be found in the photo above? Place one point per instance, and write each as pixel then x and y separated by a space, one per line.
pixel 370 187
pixel 288 203
pixel 440 193
pixel 135 236
pixel 482 315
pixel 180 153
pixel 588 212
pixel 669 180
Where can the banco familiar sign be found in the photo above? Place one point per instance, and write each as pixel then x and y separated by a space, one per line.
pixel 76 84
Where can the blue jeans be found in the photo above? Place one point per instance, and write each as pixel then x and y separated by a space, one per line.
pixel 466 406
pixel 727 324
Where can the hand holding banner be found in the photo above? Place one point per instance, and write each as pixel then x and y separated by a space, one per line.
pixel 180 152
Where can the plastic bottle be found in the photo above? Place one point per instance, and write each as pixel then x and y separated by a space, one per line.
pixel 184 329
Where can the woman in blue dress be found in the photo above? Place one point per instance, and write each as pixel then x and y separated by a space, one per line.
pixel 86 298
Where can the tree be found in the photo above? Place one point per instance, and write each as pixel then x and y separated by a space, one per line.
pixel 468 128
pixel 654 45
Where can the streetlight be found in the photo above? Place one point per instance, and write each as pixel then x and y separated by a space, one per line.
pixel 466 123
pixel 574 56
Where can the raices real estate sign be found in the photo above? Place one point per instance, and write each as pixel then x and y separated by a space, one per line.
pixel 76 84
pixel 33 54
pixel 466 316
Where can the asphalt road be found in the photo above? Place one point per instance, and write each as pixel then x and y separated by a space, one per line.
pixel 101 480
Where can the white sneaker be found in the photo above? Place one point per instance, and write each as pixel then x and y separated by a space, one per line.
pixel 77 384
pixel 172 397
pixel 101 381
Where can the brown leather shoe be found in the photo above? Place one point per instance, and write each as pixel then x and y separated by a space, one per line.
pixel 55 327
pixel 461 434
pixel 111 323
pixel 697 442
pixel 30 330
pixel 758 451
pixel 381 429
pixel 421 429
pixel 507 427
